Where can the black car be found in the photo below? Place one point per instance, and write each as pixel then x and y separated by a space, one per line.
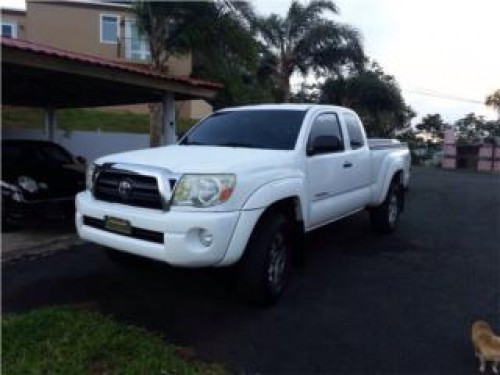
pixel 39 180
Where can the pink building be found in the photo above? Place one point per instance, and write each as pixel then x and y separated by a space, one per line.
pixel 482 156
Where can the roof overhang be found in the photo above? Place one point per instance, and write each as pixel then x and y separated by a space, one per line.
pixel 40 76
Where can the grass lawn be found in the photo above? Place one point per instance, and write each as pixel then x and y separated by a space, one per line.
pixel 84 119
pixel 63 340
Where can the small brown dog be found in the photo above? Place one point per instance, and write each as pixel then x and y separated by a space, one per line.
pixel 486 345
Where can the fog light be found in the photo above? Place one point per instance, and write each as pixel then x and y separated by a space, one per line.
pixel 206 238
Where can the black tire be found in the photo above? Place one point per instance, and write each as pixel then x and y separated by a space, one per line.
pixel 384 218
pixel 264 268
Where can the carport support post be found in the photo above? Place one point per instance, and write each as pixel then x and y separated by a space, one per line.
pixel 50 123
pixel 168 110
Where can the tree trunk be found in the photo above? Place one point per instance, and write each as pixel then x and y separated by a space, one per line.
pixel 155 124
pixel 158 64
pixel 283 89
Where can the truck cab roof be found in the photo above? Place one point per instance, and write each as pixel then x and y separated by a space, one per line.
pixel 288 106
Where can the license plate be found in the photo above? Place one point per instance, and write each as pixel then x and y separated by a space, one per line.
pixel 117 225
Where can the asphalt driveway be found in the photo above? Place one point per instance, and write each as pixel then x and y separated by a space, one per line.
pixel 363 303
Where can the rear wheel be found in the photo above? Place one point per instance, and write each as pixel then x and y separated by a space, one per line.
pixel 265 266
pixel 384 218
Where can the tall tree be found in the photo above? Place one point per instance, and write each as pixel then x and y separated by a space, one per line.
pixel 233 58
pixel 376 97
pixel 432 123
pixel 474 128
pixel 178 27
pixel 304 41
pixel 493 101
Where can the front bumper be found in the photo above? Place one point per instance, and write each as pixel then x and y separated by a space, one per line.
pixel 178 232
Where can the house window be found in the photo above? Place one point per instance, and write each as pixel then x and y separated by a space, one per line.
pixel 9 29
pixel 136 43
pixel 110 28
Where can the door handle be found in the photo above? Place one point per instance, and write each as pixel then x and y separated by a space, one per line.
pixel 347 164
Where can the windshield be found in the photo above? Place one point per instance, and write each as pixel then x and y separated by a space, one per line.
pixel 267 129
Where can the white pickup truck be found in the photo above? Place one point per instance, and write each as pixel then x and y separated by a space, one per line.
pixel 242 188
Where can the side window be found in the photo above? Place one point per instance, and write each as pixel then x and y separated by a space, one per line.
pixel 109 28
pixel 354 130
pixel 326 135
pixel 9 29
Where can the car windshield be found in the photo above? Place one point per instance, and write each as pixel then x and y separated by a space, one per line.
pixel 266 129
pixel 35 153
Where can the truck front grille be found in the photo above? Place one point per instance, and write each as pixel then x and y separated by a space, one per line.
pixel 128 188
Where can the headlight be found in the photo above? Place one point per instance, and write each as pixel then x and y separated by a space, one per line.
pixel 89 178
pixel 28 184
pixel 203 190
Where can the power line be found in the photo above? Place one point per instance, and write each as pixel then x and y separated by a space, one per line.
pixel 432 93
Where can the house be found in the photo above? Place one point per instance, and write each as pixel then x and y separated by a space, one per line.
pixel 106 30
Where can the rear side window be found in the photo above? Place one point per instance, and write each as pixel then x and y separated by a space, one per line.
pixel 354 130
pixel 326 125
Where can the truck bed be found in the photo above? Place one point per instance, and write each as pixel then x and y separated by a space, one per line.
pixel 385 143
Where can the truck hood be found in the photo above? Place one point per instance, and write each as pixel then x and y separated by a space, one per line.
pixel 203 159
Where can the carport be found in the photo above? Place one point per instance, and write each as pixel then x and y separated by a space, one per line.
pixel 35 75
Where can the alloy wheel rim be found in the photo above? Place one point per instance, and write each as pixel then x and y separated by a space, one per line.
pixel 393 209
pixel 277 263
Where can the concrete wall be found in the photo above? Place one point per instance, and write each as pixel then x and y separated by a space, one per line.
pixel 91 145
pixel 449 160
pixel 193 109
pixel 489 158
pixel 75 26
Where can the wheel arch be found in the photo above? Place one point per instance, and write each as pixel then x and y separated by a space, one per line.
pixel 393 171
pixel 289 206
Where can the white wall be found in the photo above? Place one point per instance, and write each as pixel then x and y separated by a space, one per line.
pixel 90 145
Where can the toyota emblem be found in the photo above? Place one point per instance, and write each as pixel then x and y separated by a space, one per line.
pixel 125 189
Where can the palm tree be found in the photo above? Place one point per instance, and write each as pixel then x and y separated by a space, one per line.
pixel 306 41
pixel 177 27
pixel 493 101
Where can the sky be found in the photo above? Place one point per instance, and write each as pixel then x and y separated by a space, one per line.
pixel 445 54
pixel 444 48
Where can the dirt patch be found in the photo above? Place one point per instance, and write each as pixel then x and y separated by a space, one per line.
pixel 44 238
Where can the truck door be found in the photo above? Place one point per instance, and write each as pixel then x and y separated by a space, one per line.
pixel 358 155
pixel 327 184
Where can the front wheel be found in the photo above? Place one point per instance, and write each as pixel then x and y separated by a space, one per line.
pixel 264 268
pixel 384 218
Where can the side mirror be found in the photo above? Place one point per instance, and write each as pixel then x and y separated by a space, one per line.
pixel 325 144
pixel 80 160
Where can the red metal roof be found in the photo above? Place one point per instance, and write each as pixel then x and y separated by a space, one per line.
pixel 95 60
